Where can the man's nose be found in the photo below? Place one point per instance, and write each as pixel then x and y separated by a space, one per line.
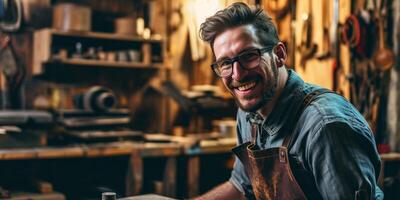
pixel 238 72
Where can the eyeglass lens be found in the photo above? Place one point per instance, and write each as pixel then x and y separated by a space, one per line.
pixel 247 60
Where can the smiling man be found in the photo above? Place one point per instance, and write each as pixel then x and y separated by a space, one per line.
pixel 295 140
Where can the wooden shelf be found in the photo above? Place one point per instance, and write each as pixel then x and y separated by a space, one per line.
pixel 47 43
pixel 100 35
pixel 98 63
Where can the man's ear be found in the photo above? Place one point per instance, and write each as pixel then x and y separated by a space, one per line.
pixel 280 52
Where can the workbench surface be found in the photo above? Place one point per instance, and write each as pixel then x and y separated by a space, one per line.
pixel 145 149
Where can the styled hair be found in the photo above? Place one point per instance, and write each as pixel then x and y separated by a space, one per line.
pixel 239 14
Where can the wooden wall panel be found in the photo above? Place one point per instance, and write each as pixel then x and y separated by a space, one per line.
pixel 316 71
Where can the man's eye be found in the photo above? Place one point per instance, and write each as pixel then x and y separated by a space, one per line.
pixel 250 56
pixel 225 63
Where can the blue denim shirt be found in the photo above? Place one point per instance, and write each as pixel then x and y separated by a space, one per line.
pixel 334 143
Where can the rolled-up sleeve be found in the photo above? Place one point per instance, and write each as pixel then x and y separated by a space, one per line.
pixel 344 160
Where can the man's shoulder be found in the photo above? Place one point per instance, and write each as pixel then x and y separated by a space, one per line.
pixel 331 109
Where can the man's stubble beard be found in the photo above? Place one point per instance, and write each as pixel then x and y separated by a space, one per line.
pixel 267 94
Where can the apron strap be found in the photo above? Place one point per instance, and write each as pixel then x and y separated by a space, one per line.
pixel 254 128
pixel 306 102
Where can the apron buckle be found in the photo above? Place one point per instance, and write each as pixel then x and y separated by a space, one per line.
pixel 282 155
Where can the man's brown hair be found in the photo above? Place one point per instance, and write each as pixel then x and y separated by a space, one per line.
pixel 239 14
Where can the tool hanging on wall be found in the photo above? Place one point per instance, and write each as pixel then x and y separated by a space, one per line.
pixel 10 15
pixel 325 48
pixel 279 8
pixel 368 93
pixel 359 31
pixel 337 70
pixel 12 68
pixel 293 33
pixel 13 72
pixel 333 34
pixel 337 74
pixel 383 57
pixel 367 81
pixel 307 48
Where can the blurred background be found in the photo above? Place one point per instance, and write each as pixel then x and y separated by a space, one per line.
pixel 118 95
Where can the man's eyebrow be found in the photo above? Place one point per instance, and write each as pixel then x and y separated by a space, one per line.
pixel 222 58
pixel 240 52
pixel 246 49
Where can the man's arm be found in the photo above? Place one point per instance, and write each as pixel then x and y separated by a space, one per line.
pixel 344 160
pixel 224 191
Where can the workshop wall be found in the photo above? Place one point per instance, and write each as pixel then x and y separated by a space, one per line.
pixel 324 57
pixel 347 61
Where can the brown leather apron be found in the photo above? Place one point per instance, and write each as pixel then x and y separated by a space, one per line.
pixel 269 169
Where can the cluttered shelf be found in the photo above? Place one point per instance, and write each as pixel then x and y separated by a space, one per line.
pixel 95 49
pixel 102 35
pixel 96 63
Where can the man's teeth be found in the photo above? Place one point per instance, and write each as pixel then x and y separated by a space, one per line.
pixel 247 86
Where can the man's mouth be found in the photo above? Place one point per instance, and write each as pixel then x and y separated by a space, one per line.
pixel 246 86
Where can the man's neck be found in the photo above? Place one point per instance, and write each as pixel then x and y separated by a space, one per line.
pixel 283 77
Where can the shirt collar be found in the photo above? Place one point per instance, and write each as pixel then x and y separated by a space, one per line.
pixel 254 118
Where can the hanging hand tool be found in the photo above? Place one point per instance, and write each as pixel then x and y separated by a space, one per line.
pixel 337 74
pixel 293 33
pixel 334 28
pixel 279 9
pixel 337 70
pixel 10 15
pixel 383 57
pixel 307 48
pixel 325 50
pixel 13 71
pixel 357 33
pixel 11 66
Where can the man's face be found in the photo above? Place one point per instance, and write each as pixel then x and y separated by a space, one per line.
pixel 252 88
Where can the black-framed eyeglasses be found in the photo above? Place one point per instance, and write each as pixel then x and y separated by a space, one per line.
pixel 249 59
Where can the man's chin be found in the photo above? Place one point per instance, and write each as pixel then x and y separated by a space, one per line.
pixel 253 107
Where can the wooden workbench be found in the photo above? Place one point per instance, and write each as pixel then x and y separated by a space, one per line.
pixel 193 153
pixel 93 150
pixel 387 157
pixel 139 150
pixel 193 146
pixel 136 150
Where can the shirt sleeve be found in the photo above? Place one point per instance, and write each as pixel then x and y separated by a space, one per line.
pixel 344 160
pixel 240 180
